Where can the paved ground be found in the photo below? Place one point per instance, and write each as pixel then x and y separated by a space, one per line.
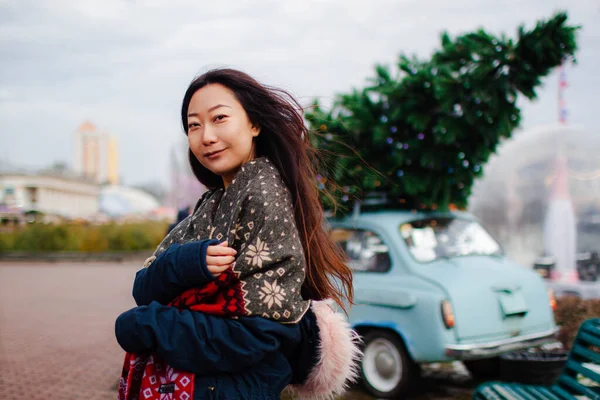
pixel 57 334
pixel 57 329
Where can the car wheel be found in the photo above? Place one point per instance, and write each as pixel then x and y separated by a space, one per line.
pixel 386 367
pixel 485 369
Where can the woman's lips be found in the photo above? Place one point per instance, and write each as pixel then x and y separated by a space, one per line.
pixel 213 154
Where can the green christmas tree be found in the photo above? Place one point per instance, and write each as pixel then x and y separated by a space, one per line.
pixel 423 132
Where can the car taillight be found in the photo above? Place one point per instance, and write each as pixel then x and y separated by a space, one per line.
pixel 552 299
pixel 447 314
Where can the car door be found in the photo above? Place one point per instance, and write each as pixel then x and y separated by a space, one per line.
pixel 376 278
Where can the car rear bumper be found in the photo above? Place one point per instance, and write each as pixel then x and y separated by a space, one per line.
pixel 497 347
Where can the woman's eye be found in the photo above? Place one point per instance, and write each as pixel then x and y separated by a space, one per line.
pixel 193 125
pixel 219 117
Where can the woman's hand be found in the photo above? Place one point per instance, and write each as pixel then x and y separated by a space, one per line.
pixel 219 257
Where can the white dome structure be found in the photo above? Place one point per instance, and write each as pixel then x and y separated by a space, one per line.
pixel 512 198
pixel 119 201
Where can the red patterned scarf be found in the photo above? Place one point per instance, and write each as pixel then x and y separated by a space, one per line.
pixel 147 377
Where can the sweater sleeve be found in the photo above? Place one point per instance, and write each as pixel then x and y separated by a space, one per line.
pixel 202 343
pixel 270 259
pixel 175 270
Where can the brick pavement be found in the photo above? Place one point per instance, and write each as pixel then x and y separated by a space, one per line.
pixel 57 329
pixel 57 333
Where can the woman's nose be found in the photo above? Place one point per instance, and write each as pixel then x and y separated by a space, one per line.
pixel 209 136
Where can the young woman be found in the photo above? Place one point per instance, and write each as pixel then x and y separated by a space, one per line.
pixel 227 295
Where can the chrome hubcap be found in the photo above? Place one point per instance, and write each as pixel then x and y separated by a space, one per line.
pixel 382 365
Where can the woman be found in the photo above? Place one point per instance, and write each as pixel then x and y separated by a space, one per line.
pixel 249 146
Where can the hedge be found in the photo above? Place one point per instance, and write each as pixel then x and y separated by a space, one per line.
pixel 570 313
pixel 37 238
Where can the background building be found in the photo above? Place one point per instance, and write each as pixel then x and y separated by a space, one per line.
pixel 54 197
pixel 185 189
pixel 96 154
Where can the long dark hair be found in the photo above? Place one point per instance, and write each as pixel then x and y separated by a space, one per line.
pixel 285 140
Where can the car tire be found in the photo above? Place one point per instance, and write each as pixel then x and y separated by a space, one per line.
pixel 386 368
pixel 486 369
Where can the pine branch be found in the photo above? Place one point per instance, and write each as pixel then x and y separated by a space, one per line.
pixel 422 133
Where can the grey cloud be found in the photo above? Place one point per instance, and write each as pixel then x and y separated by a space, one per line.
pixel 125 64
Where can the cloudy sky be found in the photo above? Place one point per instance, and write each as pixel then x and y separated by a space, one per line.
pixel 125 64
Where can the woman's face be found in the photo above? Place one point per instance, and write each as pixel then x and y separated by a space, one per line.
pixel 219 131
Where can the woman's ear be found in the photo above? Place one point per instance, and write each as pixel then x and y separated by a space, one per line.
pixel 255 130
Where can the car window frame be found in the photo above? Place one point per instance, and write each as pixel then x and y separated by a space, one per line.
pixel 385 241
pixel 446 216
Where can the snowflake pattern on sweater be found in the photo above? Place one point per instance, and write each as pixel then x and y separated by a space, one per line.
pixel 255 216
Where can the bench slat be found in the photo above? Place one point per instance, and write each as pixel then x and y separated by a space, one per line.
pixel 497 390
pixel 562 393
pixel 578 368
pixel 505 392
pixel 586 353
pixel 566 387
pixel 592 325
pixel 565 380
pixel 545 393
pixel 523 391
pixel 490 391
pixel 589 339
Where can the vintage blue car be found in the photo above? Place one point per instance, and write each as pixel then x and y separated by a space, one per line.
pixel 435 287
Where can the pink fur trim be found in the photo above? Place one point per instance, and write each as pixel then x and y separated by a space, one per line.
pixel 339 353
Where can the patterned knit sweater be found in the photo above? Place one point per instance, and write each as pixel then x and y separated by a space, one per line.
pixel 256 216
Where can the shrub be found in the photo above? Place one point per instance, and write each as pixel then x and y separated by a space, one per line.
pixel 570 313
pixel 6 242
pixel 85 238
pixel 43 238
pixel 93 241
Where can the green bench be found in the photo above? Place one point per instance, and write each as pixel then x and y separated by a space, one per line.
pixel 580 378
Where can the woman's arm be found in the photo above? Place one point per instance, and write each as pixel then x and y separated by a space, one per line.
pixel 175 270
pixel 201 343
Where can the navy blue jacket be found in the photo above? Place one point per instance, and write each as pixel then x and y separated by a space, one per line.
pixel 244 358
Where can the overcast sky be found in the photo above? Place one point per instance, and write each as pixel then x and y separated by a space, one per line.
pixel 125 65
